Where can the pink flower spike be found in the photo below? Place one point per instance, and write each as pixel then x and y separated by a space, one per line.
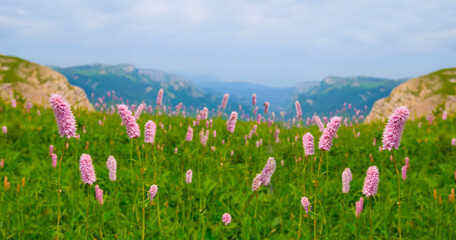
pixel 111 165
pixel 231 123
pixel 160 97
pixel 268 170
pixel 308 144
pixel 254 99
pixel 51 149
pixel 188 176
pixel 407 162
pixel 149 132
pixel 87 170
pixel 298 110
pixel 329 133
pixel 129 121
pixel 152 192
pixel 394 128
pixel 346 179
pixel 371 181
pixel 306 204
pixel 257 182
pixel 54 160
pixel 4 129
pixel 404 172
pixel 189 136
pixel 453 141
pixel 225 100
pixel 63 115
pixel 99 194
pixel 359 207
pixel 226 218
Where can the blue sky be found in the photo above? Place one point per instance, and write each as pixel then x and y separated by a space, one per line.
pixel 276 43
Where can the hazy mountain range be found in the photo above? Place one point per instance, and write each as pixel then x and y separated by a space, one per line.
pixel 198 90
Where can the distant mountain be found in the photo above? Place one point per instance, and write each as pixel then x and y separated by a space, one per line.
pixel 332 92
pixel 139 85
pixel 428 94
pixel 199 90
pixel 35 83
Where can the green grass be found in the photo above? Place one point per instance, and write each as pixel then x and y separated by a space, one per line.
pixel 31 212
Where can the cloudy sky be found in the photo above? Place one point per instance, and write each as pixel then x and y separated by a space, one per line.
pixel 276 43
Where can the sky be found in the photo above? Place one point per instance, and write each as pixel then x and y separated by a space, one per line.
pixel 274 43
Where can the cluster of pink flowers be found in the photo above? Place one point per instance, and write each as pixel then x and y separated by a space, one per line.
pixel 149 132
pixel 329 133
pixel 63 115
pixel 160 97
pixel 99 194
pixel 225 100
pixel 371 181
pixel 346 179
pixel 87 170
pixel 268 170
pixel 306 204
pixel 394 128
pixel 188 176
pixel 54 160
pixel 359 207
pixel 298 110
pixel 152 192
pixel 189 135
pixel 129 121
pixel 308 144
pixel 231 123
pixel 320 125
pixel 226 218
pixel 111 165
pixel 266 107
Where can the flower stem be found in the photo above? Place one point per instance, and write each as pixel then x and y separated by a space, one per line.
pixel 399 202
pixel 88 204
pixel 370 214
pixel 59 190
pixel 316 195
pixel 142 189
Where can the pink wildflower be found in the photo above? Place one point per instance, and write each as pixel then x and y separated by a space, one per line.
pixel 99 194
pixel 160 97
pixel 308 144
pixel 266 107
pixel 268 170
pixel 149 132
pixel 54 160
pixel 189 136
pixel 257 182
pixel 231 123
pixel 319 123
pixel 188 176
pixel 254 99
pixel 359 207
pixel 4 129
pixel 346 179
pixel 329 133
pixel 407 162
pixel 371 181
pixel 393 130
pixel 404 172
pixel 129 121
pixel 152 192
pixel 63 115
pixel 306 204
pixel 111 164
pixel 226 218
pixel 51 149
pixel 225 100
pixel 87 170
pixel 298 110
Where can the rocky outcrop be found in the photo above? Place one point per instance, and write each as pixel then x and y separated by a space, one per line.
pixel 423 95
pixel 35 83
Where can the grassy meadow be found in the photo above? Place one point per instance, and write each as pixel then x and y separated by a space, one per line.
pixel 223 171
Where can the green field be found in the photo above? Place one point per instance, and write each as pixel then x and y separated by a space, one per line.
pixel 194 211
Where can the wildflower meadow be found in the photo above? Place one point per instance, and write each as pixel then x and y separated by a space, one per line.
pixel 158 172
